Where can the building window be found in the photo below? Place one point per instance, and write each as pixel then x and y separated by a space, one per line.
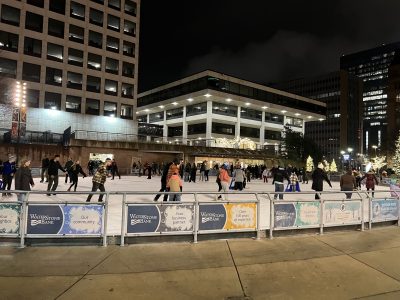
pixel 96 17
pixel 220 128
pixel 74 80
pixel 31 72
pixel 77 11
pixel 112 44
pixel 53 76
pixel 224 109
pixel 272 135
pixel 10 15
pixel 57 6
pixel 250 114
pixel 175 131
pixel 55 52
pixel 126 111
pixel 113 23
pixel 128 69
pixel 8 67
pixel 56 28
pixel 127 90
pixel 130 7
pixel 296 122
pixel 38 3
pixel 129 49
pixel 112 65
pixel 156 117
pixel 8 41
pixel 98 1
pixel 197 128
pixel 274 118
pixel 92 107
pixel 32 47
pixel 250 132
pixel 93 84
pixel 75 57
pixel 32 98
pixel 33 22
pixel 73 104
pixel 142 119
pixel 52 101
pixel 129 28
pixel 116 4
pixel 76 34
pixel 175 113
pixel 94 61
pixel 110 109
pixel 95 39
pixel 111 87
pixel 196 109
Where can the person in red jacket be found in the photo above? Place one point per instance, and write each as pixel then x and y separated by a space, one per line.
pixel 371 180
pixel 225 180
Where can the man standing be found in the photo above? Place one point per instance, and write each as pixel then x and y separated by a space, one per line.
pixel 279 176
pixel 45 167
pixel 114 169
pixel 54 166
pixel 8 174
pixel 68 166
pixel 99 179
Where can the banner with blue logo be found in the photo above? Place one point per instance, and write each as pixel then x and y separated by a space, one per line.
pixel 9 218
pixel 299 214
pixel 65 220
pixel 385 210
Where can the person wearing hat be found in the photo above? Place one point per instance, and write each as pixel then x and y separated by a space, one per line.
pixel 8 174
pixel 99 179
pixel 318 177
pixel 23 179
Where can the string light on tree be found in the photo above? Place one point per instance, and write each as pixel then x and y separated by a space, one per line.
pixel 309 164
pixel 396 158
pixel 333 167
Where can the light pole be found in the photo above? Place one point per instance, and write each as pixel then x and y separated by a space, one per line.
pixel 374 147
pixel 342 153
pixel 19 103
pixel 350 150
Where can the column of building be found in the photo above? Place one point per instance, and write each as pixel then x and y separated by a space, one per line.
pixel 184 127
pixel 165 127
pixel 237 126
pixel 262 130
pixel 209 122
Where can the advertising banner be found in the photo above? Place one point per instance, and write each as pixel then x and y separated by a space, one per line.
pixel 227 216
pixel 297 214
pixel 385 210
pixel 346 212
pixel 9 218
pixel 65 219
pixel 160 218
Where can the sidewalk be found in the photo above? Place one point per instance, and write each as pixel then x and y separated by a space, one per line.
pixel 344 265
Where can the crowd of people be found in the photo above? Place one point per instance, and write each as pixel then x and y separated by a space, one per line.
pixel 174 174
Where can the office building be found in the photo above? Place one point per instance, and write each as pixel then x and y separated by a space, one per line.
pixel 372 66
pixel 77 59
pixel 218 110
pixel 342 94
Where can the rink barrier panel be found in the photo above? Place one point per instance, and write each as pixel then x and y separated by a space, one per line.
pixel 363 197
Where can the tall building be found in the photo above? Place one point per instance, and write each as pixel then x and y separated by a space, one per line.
pixel 77 59
pixel 215 109
pixel 393 111
pixel 372 66
pixel 342 94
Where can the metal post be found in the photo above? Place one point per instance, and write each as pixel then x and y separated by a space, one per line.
pixel 321 216
pixel 258 216
pixel 123 221
pixel 271 220
pixel 196 218
pixel 370 211
pixel 105 215
pixel 23 220
pixel 362 211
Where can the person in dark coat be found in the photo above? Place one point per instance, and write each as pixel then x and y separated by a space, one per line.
pixel 23 179
pixel 45 167
pixel 54 166
pixel 193 172
pixel 318 177
pixel 114 169
pixel 370 182
pixel 74 174
pixel 67 166
pixel 8 174
pixel 164 181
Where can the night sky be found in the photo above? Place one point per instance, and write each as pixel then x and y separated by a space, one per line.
pixel 258 40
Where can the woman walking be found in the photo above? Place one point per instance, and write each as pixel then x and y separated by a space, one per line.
pixel 73 175
pixel 370 182
pixel 23 179
pixel 225 179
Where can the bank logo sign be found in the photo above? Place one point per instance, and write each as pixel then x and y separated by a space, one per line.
pixel 9 218
pixel 65 219
pixel 297 214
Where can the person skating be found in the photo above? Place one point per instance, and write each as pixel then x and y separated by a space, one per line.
pixel 348 183
pixel 67 166
pixel 239 178
pixel 279 176
pixel 114 169
pixel 54 166
pixel 165 177
pixel 45 167
pixel 370 181
pixel 318 177
pixel 225 180
pixel 99 179
pixel 206 170
pixel 23 179
pixel 74 172
pixel 218 180
pixel 265 175
pixel 193 172
pixel 174 185
pixel 8 174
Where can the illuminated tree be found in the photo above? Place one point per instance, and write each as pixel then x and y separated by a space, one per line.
pixel 326 165
pixel 309 164
pixel 396 158
pixel 333 167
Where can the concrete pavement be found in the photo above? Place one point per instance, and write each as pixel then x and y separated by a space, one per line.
pixel 341 265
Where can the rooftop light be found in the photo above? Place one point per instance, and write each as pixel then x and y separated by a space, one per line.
pixel 174 103
pixel 264 107
pixel 247 103
pixel 207 95
pixel 309 117
pixel 228 100
pixel 283 111
pixel 190 99
pixel 297 114
pixel 161 106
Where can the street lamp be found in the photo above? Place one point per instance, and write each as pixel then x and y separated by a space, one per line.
pixel 374 147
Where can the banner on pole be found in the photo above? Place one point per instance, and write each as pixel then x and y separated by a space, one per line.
pixel 385 210
pixel 299 214
pixel 9 218
pixel 345 212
